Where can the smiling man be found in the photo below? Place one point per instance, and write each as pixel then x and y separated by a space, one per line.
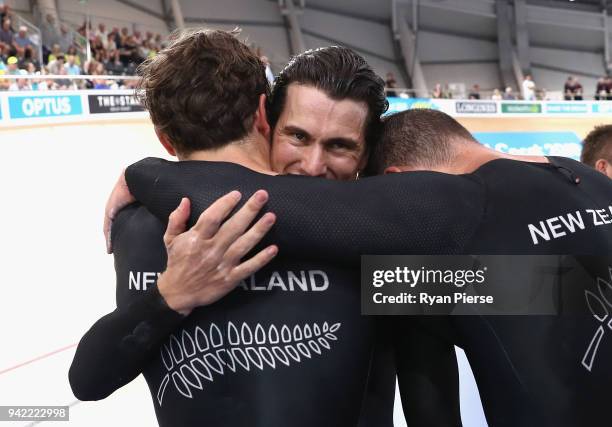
pixel 453 196
pixel 153 330
pixel 321 127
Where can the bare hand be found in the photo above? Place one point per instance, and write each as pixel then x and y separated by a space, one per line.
pixel 204 263
pixel 120 197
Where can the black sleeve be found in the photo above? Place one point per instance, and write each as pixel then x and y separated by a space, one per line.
pixel 118 346
pixel 427 372
pixel 411 213
pixel 403 213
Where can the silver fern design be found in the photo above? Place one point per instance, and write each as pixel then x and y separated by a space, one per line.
pixel 599 309
pixel 193 359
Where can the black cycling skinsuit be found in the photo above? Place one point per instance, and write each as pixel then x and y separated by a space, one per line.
pixel 530 370
pixel 288 347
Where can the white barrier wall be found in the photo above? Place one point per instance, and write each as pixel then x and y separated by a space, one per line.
pixel 32 107
pixel 28 108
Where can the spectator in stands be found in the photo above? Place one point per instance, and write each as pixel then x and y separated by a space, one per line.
pixel 20 54
pixel 6 35
pixel 137 36
pixel 391 83
pixel 146 51
pixel 97 43
pixel 85 29
pixel 55 52
pixel 128 54
pixel 123 35
pixel 438 92
pixel 603 91
pixel 20 84
pixel 100 83
pixel 597 149
pixel 600 89
pixel 37 84
pixel 475 92
pixel 50 34
pixel 72 50
pixel 4 83
pixel 101 32
pixel 269 73
pixel 90 69
pixel 572 89
pixel 72 69
pixel 111 44
pixel 5 12
pixel 65 39
pixel 528 88
pixel 22 39
pixel 64 84
pixel 508 94
pixel 496 96
pixel 30 58
pixel 56 66
pixel 12 65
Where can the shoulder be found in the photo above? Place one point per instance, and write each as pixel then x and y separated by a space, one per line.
pixel 138 250
pixel 134 227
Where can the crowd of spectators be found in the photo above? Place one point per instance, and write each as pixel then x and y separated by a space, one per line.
pixel 443 92
pixel 112 52
pixel 119 52
pixel 529 91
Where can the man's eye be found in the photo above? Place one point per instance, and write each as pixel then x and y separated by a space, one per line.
pixel 299 136
pixel 338 146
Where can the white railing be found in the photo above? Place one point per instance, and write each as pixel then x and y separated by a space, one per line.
pixel 66 77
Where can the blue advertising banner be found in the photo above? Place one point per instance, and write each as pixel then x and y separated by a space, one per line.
pixel 568 108
pixel 397 104
pixel 604 107
pixel 566 144
pixel 38 106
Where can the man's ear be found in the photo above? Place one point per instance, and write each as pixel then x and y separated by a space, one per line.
pixel 165 141
pixel 601 165
pixel 261 118
pixel 392 169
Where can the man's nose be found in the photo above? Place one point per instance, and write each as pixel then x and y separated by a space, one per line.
pixel 313 164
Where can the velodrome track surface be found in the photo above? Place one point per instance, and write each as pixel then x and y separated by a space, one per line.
pixel 57 279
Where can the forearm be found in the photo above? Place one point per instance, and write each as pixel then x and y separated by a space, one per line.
pixel 428 375
pixel 119 345
pixel 325 219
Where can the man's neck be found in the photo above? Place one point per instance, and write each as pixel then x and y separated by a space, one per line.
pixel 472 156
pixel 251 152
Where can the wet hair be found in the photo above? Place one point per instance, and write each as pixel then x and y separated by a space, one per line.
pixel 339 72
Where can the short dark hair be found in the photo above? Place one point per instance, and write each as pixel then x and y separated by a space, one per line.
pixel 202 90
pixel 597 145
pixel 417 138
pixel 339 72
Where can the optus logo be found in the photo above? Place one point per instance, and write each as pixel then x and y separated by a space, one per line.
pixel 46 106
